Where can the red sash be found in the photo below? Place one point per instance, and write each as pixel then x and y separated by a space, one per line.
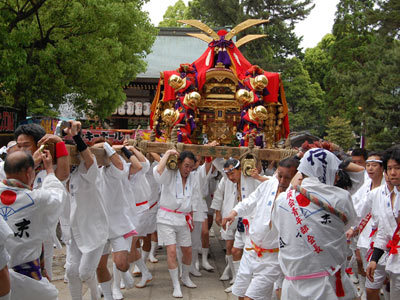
pixel 364 222
pixel 393 243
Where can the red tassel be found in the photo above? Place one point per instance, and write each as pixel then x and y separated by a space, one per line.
pixel 339 285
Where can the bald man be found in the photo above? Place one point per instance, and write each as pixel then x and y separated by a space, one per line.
pixel 31 215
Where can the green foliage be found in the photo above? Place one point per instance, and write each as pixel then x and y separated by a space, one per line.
pixel 317 61
pixel 178 11
pixel 271 52
pixel 305 98
pixel 339 132
pixel 91 48
pixel 362 70
pixel 386 17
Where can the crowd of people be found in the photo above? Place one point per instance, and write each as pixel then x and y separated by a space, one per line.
pixel 321 225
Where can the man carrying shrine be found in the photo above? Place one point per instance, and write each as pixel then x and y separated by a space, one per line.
pixel 174 217
pixel 259 267
pixel 312 220
pixel 32 214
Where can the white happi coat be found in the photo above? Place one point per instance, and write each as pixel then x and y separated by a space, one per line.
pixel 155 188
pixel 200 189
pixel 5 233
pixel 357 181
pixel 32 217
pixel 386 228
pixel 140 188
pixel 115 202
pixel 174 196
pixel 225 197
pixel 363 203
pixel 89 222
pixel 319 243
pixel 37 183
pixel 259 204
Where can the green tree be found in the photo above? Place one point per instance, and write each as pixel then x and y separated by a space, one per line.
pixel 364 72
pixel 91 49
pixel 178 11
pixel 386 17
pixel 304 99
pixel 339 132
pixel 271 52
pixel 318 61
pixel 352 37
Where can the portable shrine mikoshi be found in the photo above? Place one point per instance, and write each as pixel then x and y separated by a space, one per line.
pixel 221 96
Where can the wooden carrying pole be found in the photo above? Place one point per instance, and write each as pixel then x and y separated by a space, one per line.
pixel 202 150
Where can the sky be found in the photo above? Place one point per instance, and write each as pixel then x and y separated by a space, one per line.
pixel 317 24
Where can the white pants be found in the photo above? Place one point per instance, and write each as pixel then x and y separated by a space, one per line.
pixel 240 239
pixel 257 275
pixel 82 265
pixel 117 244
pixel 24 287
pixel 173 235
pixel 379 275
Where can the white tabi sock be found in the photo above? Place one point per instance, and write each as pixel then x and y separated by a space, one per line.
pixel 127 278
pixel 204 260
pixel 236 265
pixel 235 270
pixel 145 255
pixel 229 259
pixel 186 278
pixel 136 271
pixel 142 266
pixel 116 291
pixel 107 291
pixel 225 274
pixel 152 256
pixel 6 297
pixel 175 283
pixel 146 275
pixel 193 268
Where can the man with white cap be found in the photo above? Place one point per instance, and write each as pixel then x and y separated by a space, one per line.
pixel 312 220
pixel 259 267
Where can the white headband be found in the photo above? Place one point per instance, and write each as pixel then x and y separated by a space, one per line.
pixel 233 168
pixel 374 160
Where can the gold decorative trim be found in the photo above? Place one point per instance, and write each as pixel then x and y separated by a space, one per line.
pixel 249 38
pixel 242 26
pixel 203 27
pixel 201 36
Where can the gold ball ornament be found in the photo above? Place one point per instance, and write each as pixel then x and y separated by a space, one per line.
pixel 192 99
pixel 244 97
pixel 170 116
pixel 260 82
pixel 175 81
pixel 258 113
